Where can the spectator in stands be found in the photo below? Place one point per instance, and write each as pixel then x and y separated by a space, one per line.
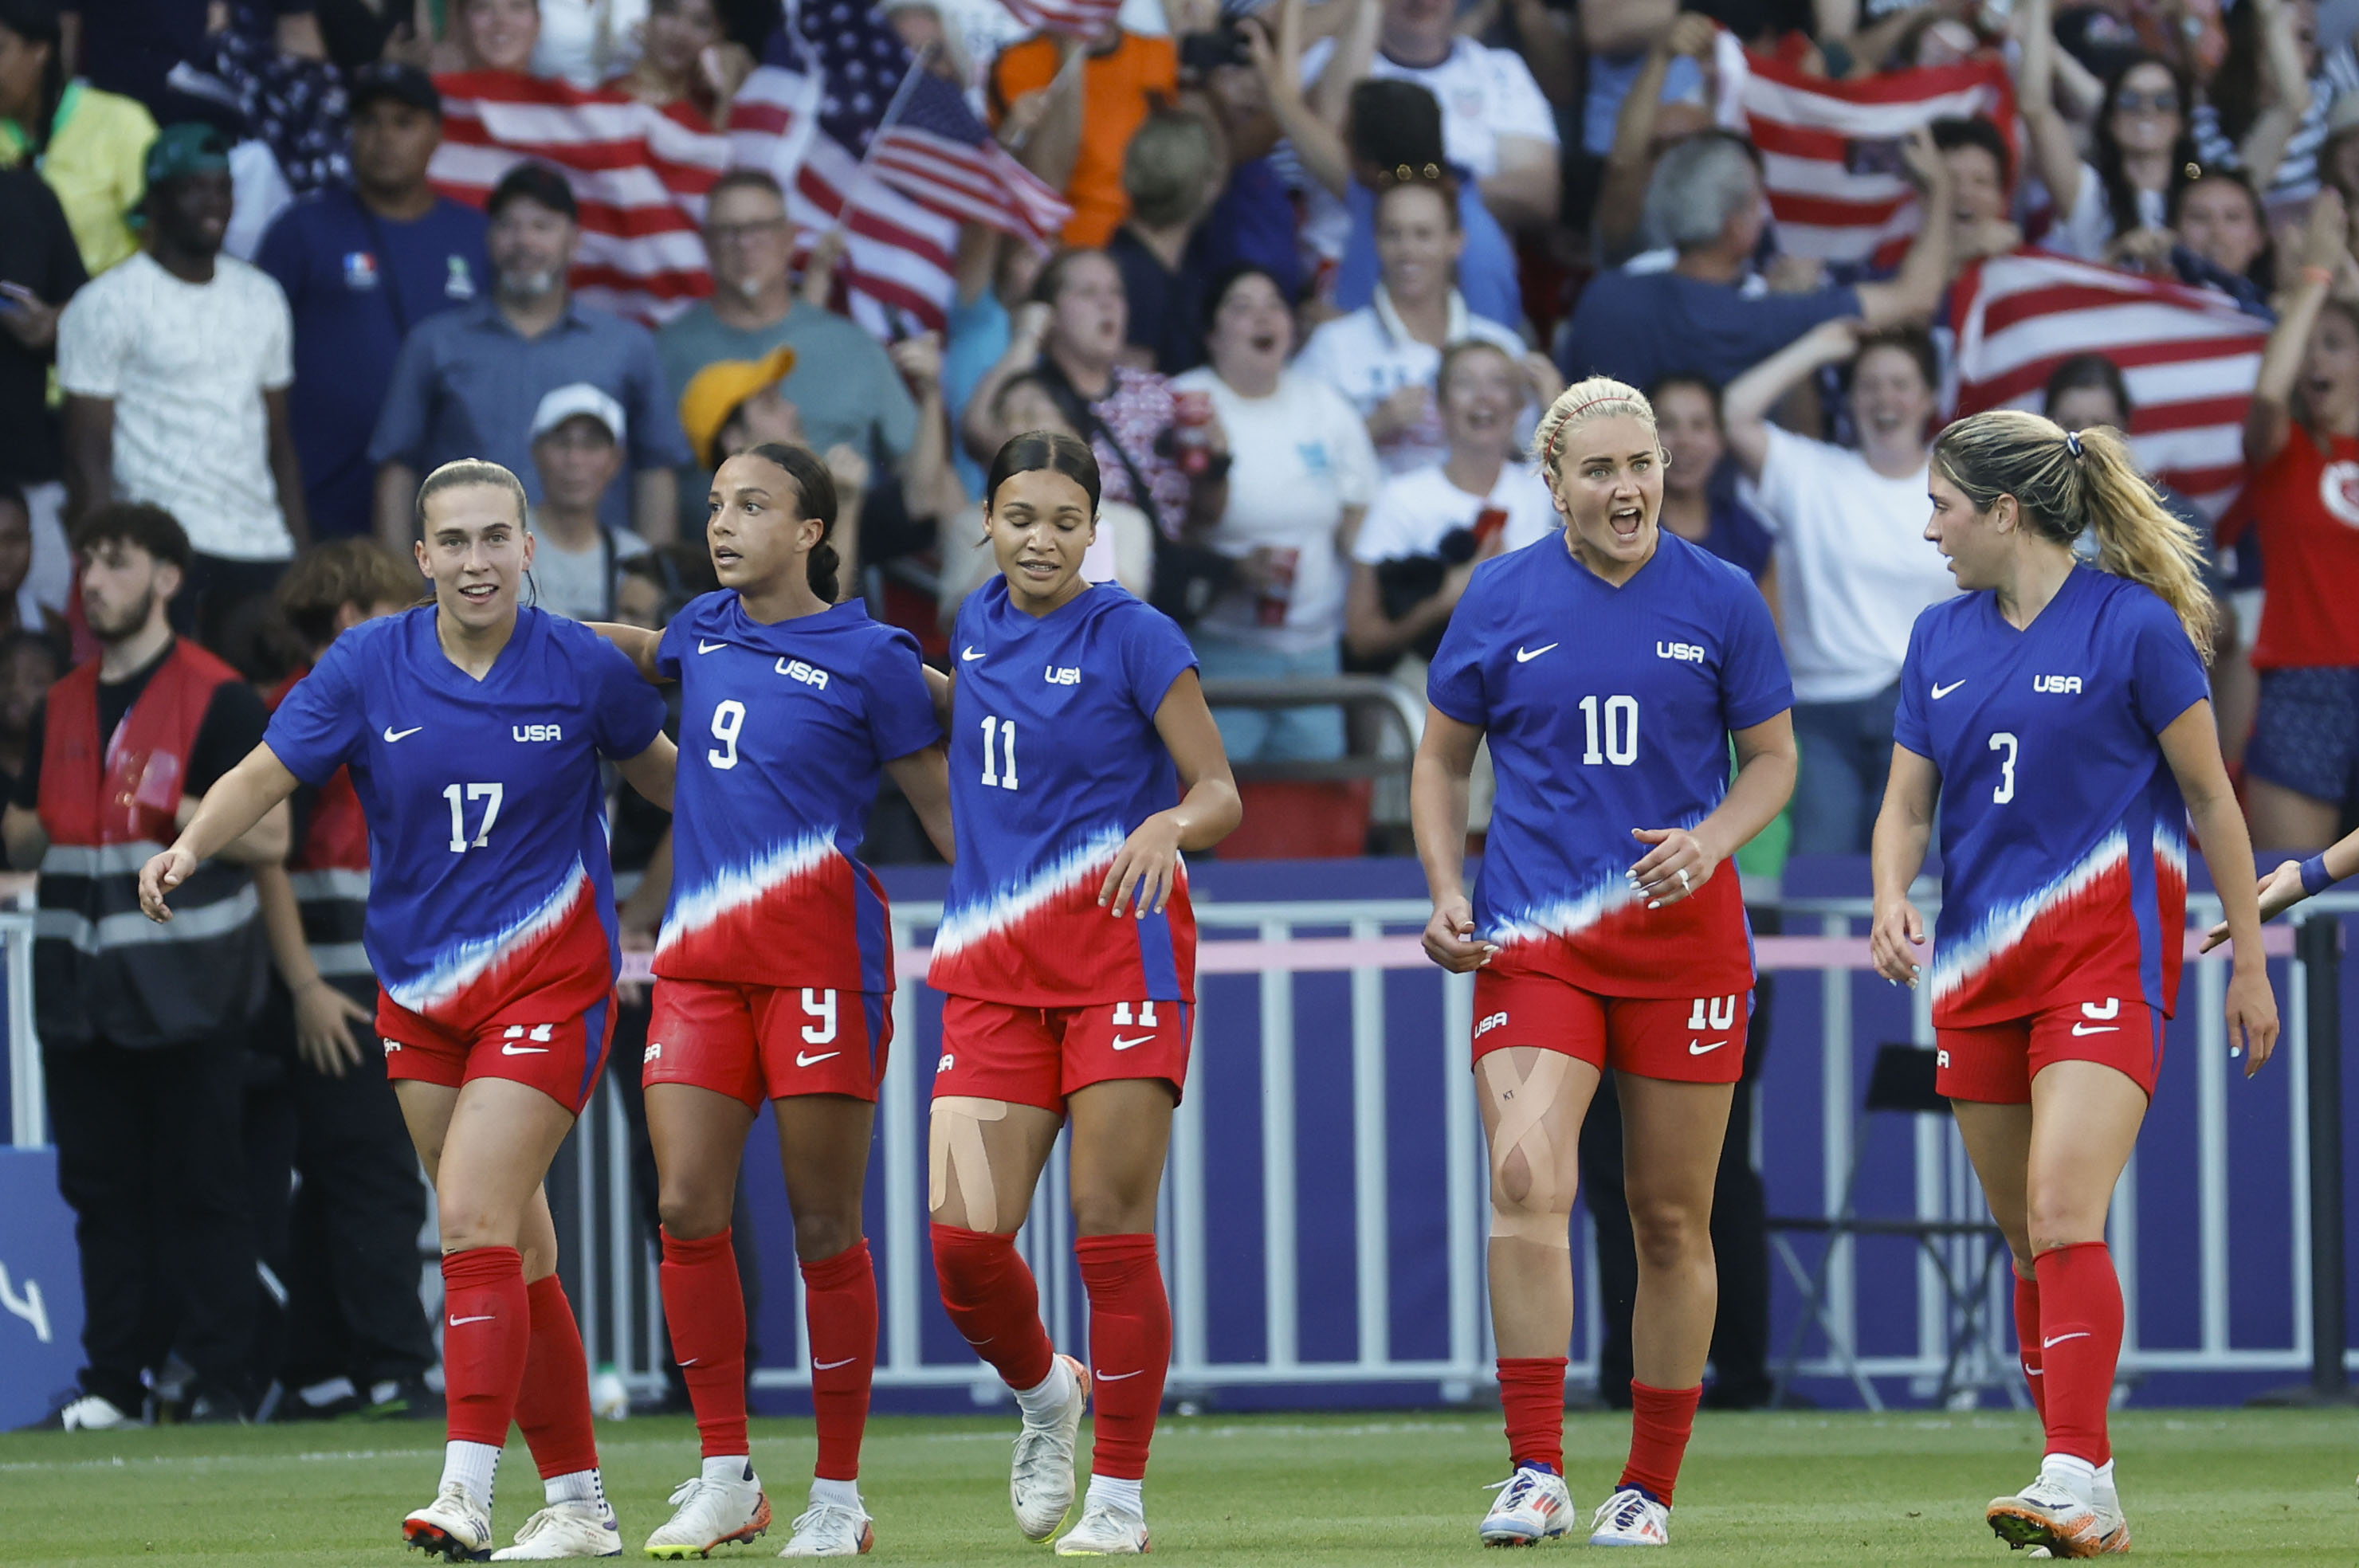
pixel 1068 110
pixel 1854 568
pixel 1495 121
pixel 1700 502
pixel 30 665
pixel 19 610
pixel 2301 446
pixel 1254 220
pixel 497 35
pixel 1645 127
pixel 466 381
pixel 2223 239
pixel 143 1033
pixel 1395 125
pixel 1981 184
pixel 2113 205
pixel 1302 472
pixel 1706 202
pixel 577 450
pixel 687 62
pixel 2266 111
pixel 1172 175
pixel 583 42
pixel 149 49
pixel 1384 355
pixel 359 268
pixel 996 272
pixel 39 271
pixel 87 144
pixel 2338 156
pixel 732 404
pixel 175 367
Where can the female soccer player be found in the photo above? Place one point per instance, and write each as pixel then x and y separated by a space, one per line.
pixel 1610 666
pixel 1589 959
pixel 2060 715
pixel 774 968
pixel 1082 761
pixel 473 729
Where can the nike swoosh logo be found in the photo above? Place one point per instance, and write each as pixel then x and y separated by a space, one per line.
pixel 1526 656
pixel 690 1361
pixel 968 655
pixel 1122 1045
pixel 704 647
pixel 524 1050
pixel 1696 1050
pixel 2096 1029
pixel 803 1060
pixel 1942 691
pixel 832 1366
pixel 391 734
pixel 2051 1343
pixel 1114 1376
pixel 459 1322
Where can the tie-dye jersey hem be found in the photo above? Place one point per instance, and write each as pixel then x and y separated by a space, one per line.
pixel 459 980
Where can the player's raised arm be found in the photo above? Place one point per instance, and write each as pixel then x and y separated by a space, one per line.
pixel 234 821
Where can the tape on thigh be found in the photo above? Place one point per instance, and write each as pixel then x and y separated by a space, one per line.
pixel 956 1153
pixel 1525 1104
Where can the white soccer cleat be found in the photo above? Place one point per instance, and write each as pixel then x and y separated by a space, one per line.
pixel 1040 1484
pixel 707 1513
pixel 1106 1532
pixel 1532 1506
pixel 94 1413
pixel 565 1530
pixel 2045 1514
pixel 453 1526
pixel 1630 1518
pixel 830 1529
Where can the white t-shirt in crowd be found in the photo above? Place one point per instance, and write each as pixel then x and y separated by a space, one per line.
pixel 1299 459
pixel 2090 229
pixel 185 365
pixel 1415 510
pixel 1368 355
pixel 588 42
pixel 1484 94
pixel 1854 566
pixel 580 584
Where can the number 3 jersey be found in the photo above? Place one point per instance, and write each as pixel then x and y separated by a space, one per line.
pixel 1607 710
pixel 2063 835
pixel 783 729
pixel 1054 760
pixel 489 877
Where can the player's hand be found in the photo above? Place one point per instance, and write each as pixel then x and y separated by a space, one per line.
pixel 1450 937
pixel 1677 866
pixel 2280 890
pixel 2251 1016
pixel 1898 932
pixel 635 938
pixel 324 1017
pixel 1144 868
pixel 159 876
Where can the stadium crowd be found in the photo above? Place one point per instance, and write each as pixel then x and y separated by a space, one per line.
pixel 1302 275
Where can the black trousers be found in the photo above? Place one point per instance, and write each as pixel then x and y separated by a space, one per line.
pixel 1740 1242
pixel 338 1205
pixel 149 1160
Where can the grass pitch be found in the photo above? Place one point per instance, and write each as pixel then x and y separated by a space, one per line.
pixel 2200 1487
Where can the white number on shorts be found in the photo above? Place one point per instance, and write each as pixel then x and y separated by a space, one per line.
pixel 727 719
pixel 1621 731
pixel 820 1005
pixel 2003 742
pixel 1713 1013
pixel 1122 1020
pixel 992 773
pixel 490 792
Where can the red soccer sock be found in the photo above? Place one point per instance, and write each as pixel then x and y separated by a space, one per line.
pixel 705 1307
pixel 2026 1342
pixel 1531 1390
pixel 839 1318
pixel 1130 1345
pixel 993 1303
pixel 486 1334
pixel 2080 1346
pixel 1660 1421
pixel 553 1404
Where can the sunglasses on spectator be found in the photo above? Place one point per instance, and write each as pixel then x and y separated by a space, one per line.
pixel 2163 103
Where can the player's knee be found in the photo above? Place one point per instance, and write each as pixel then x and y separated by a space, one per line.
pixel 465 1224
pixel 1112 1213
pixel 1520 1191
pixel 691 1214
pixel 1667 1233
pixel 2061 1219
pixel 823 1233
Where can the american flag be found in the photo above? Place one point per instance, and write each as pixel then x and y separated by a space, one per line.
pixel 638 173
pixel 2189 357
pixel 939 154
pixel 1082 18
pixel 1807 128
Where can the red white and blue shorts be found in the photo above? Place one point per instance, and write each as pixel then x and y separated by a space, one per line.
pixel 542 1039
pixel 1037 1055
pixel 1993 1064
pixel 1690 1040
pixel 764 1043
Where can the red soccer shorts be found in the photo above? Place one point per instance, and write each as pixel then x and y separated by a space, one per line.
pixel 758 1042
pixel 1037 1055
pixel 528 1041
pixel 1689 1040
pixel 1995 1062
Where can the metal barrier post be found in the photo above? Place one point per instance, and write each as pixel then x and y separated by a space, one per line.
pixel 2319 940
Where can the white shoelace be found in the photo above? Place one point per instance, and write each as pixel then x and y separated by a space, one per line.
pixel 820 1515
pixel 690 1488
pixel 1632 1509
pixel 1515 1488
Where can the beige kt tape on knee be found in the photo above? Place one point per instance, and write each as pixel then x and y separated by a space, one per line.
pixel 955 1152
pixel 1525 1104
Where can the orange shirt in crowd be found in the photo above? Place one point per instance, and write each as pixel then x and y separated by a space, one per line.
pixel 1118 90
pixel 2304 505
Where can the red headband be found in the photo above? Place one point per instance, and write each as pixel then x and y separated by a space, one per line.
pixel 1557 435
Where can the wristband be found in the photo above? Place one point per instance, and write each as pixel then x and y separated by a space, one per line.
pixel 2317 275
pixel 2314 877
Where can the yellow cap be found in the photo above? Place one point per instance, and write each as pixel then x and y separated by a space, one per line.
pixel 714 392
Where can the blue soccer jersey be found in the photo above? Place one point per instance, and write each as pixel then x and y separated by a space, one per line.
pixel 1607 710
pixel 783 729
pixel 488 873
pixel 1054 760
pixel 2063 835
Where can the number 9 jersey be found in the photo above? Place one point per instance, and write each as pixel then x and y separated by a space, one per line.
pixel 2063 833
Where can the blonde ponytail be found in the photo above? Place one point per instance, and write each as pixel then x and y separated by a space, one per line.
pixel 2065 483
